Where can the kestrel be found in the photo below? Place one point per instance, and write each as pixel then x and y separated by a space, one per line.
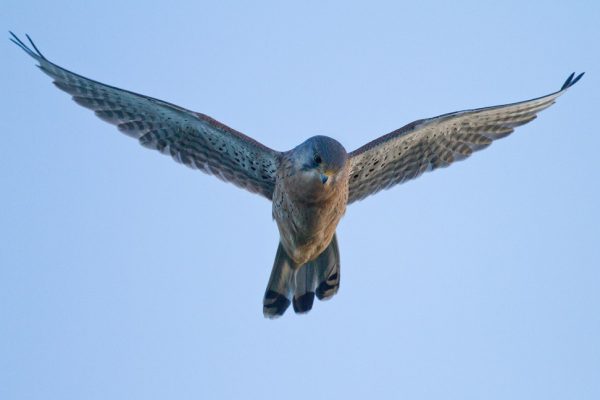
pixel 310 185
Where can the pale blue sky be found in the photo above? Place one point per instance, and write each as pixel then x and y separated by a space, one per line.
pixel 124 275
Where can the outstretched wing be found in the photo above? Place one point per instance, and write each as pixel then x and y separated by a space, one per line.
pixel 193 139
pixel 427 144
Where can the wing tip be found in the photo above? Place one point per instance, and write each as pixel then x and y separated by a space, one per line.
pixel 571 80
pixel 37 54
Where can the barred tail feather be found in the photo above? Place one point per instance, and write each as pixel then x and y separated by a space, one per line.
pixel 280 286
pixel 328 267
pixel 305 279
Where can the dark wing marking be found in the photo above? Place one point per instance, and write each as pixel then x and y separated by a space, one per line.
pixel 193 139
pixel 427 144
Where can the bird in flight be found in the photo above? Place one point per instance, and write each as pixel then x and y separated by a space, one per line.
pixel 310 185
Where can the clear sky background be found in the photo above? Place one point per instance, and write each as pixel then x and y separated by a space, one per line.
pixel 124 275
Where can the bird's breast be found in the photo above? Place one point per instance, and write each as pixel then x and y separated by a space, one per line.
pixel 307 220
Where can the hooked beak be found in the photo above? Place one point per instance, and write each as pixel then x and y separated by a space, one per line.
pixel 325 176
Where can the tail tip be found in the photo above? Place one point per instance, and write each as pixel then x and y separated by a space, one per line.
pixel 328 288
pixel 274 304
pixel 304 303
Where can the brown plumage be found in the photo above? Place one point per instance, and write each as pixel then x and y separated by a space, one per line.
pixel 309 185
pixel 311 193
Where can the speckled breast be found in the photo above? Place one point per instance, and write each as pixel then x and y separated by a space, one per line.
pixel 307 227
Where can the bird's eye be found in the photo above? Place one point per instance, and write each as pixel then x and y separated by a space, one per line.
pixel 317 159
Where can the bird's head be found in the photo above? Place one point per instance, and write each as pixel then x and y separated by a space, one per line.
pixel 321 158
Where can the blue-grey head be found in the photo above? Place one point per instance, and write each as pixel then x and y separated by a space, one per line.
pixel 322 157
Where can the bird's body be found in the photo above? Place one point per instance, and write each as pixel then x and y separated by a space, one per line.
pixel 310 185
pixel 306 209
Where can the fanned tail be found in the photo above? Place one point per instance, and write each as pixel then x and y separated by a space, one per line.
pixel 298 285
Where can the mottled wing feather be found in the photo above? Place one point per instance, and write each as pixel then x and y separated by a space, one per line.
pixel 193 139
pixel 428 144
